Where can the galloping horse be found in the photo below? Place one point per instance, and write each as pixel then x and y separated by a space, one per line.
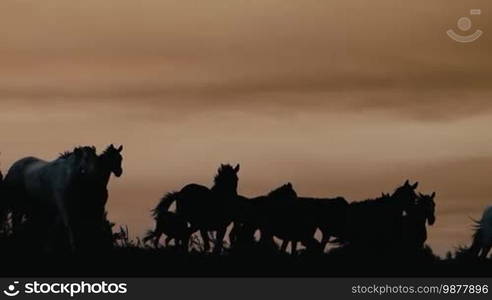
pixel 90 196
pixel 330 215
pixel 206 209
pixel 378 222
pixel 252 214
pixel 41 191
pixel 482 238
pixel 414 222
pixel 279 214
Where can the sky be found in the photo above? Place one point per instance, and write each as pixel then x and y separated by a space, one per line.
pixel 338 97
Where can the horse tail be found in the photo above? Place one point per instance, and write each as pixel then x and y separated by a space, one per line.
pixel 477 236
pixel 164 204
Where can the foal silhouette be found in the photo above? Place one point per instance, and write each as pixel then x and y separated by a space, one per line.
pixel 174 226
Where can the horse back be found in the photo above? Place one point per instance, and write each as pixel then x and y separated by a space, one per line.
pixel 194 188
pixel 18 172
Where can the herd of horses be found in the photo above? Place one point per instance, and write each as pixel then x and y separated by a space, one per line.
pixel 61 205
pixel 393 220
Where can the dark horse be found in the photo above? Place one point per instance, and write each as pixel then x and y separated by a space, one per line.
pixel 174 226
pixel 377 223
pixel 39 194
pixel 206 209
pixel 415 220
pixel 329 215
pixel 278 214
pixel 89 199
pixel 251 215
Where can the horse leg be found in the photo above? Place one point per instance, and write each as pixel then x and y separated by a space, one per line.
pixel 283 248
pixel 184 242
pixel 233 235
pixel 63 213
pixel 294 247
pixel 220 239
pixel 485 251
pixel 325 239
pixel 16 221
pixel 157 238
pixel 206 240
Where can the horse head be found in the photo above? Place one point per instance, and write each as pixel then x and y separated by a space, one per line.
pixel 405 195
pixel 112 159
pixel 226 180
pixel 428 206
pixel 85 160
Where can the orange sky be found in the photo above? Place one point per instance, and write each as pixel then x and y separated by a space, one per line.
pixel 340 97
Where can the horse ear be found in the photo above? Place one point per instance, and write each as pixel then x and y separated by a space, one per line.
pixel 415 185
pixel 236 169
pixel 289 184
pixel 421 195
pixel 120 148
pixel 433 195
pixel 407 182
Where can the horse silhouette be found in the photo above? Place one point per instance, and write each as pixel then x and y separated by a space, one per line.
pixel 415 219
pixel 174 226
pixel 279 214
pixel 39 191
pixel 329 214
pixel 89 198
pixel 482 238
pixel 378 222
pixel 251 215
pixel 206 209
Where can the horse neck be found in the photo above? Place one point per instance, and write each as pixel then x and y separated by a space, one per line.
pixel 105 172
pixel 417 216
pixel 104 177
pixel 223 190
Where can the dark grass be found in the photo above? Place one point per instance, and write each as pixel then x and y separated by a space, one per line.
pixel 133 261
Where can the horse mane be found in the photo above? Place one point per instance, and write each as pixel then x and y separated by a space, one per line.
pixel 374 201
pixel 67 154
pixel 110 149
pixel 284 189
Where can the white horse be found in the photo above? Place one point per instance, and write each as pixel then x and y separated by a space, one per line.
pixel 482 238
pixel 40 191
